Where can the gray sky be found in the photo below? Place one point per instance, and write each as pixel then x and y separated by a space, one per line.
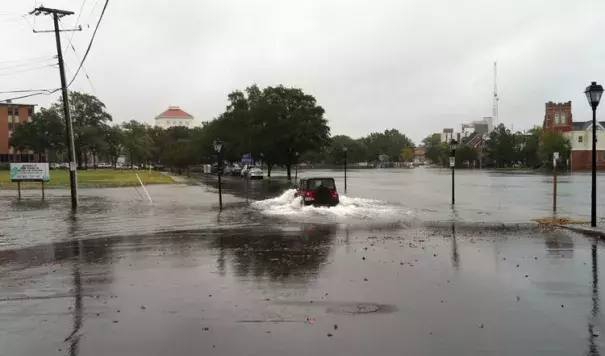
pixel 417 66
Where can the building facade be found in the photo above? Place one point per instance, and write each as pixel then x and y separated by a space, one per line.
pixel 11 115
pixel 558 117
pixel 173 117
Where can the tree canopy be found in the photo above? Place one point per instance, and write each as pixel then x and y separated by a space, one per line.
pixel 503 148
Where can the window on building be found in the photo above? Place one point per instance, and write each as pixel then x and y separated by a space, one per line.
pixel 580 139
pixel 557 117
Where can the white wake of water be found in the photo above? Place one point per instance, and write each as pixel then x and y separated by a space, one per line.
pixel 286 205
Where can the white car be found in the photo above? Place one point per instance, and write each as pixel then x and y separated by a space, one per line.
pixel 255 173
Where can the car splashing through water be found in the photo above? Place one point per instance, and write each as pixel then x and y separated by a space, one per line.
pixel 290 206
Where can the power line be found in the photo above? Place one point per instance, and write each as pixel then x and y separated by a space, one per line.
pixel 90 43
pixel 27 69
pixel 78 58
pixel 26 91
pixel 35 59
pixel 20 65
pixel 76 25
pixel 30 95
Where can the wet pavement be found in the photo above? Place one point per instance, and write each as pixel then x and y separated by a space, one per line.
pixel 375 275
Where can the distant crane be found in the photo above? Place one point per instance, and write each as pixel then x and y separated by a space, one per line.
pixel 496 97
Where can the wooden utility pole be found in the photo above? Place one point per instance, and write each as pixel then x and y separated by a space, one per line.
pixel 73 179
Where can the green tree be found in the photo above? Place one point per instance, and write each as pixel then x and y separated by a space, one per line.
pixel 465 155
pixel 501 146
pixel 529 150
pixel 285 121
pixel 389 142
pixel 114 139
pixel 137 143
pixel 432 145
pixel 334 153
pixel 407 154
pixel 88 115
pixel 551 142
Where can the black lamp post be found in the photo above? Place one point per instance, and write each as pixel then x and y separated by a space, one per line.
pixel 296 168
pixel 218 146
pixel 593 94
pixel 453 146
pixel 344 150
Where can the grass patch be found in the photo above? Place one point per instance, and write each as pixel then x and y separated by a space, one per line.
pixel 103 178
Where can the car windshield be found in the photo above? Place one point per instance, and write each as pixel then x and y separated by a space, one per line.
pixel 316 183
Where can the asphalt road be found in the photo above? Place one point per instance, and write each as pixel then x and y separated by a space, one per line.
pixel 384 273
pixel 322 289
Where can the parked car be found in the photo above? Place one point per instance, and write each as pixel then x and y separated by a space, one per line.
pixel 255 173
pixel 54 166
pixel 317 192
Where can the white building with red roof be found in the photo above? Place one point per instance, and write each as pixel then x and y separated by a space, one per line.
pixel 172 117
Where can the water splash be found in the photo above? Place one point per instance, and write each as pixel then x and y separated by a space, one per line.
pixel 349 209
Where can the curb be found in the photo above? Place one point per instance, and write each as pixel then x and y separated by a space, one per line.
pixel 588 231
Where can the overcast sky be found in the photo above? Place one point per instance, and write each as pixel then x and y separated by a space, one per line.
pixel 417 66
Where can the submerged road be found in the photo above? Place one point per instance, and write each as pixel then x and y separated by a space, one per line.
pixel 324 289
pixel 376 275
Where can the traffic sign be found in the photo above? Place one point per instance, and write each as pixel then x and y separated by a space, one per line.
pixel 452 162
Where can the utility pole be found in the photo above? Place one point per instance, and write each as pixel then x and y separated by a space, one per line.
pixel 73 178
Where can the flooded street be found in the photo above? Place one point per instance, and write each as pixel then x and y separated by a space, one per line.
pixel 392 270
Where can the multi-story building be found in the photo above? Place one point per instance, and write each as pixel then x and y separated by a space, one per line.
pixel 173 117
pixel 11 115
pixel 558 117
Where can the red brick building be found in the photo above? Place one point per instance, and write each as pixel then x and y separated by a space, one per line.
pixel 11 115
pixel 558 117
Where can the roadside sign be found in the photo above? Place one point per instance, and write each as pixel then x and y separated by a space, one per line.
pixel 452 162
pixel 555 155
pixel 29 172
pixel 247 159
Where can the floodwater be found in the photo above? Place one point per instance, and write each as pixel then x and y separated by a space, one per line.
pixel 392 270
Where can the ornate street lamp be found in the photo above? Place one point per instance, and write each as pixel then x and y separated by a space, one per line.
pixel 593 94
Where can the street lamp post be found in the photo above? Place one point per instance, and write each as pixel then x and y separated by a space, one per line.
pixel 593 94
pixel 344 151
pixel 296 169
pixel 218 146
pixel 453 146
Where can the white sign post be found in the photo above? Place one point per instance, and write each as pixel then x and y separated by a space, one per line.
pixel 29 172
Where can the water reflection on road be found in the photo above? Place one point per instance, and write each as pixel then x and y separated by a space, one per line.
pixel 449 288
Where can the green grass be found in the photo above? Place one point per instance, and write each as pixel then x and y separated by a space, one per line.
pixel 105 178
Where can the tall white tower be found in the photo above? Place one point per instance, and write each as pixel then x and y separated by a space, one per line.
pixel 496 97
